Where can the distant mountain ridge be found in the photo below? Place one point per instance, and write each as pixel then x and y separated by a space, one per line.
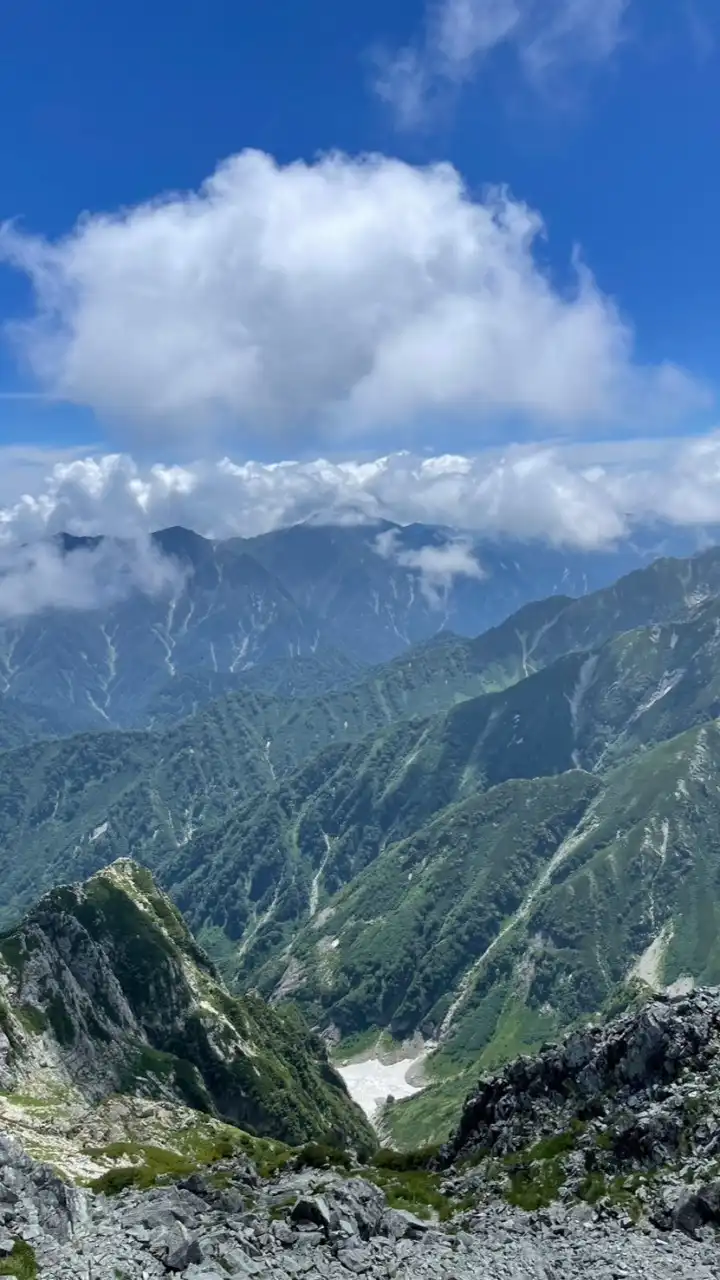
pixel 174 800
pixel 314 591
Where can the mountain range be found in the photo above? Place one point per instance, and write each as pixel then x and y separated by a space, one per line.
pixel 465 849
pixel 240 613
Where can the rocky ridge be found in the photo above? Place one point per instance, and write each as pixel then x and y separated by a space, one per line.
pixel 103 990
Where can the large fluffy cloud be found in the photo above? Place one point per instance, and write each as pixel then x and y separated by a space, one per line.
pixel 40 576
pixel 545 35
pixel 343 296
pixel 582 495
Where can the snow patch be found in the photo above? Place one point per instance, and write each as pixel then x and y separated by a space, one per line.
pixel 575 699
pixel 315 886
pixel 372 1082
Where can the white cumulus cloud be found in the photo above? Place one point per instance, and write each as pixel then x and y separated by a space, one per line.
pixel 342 297
pixel 41 576
pixel 545 36
pixel 581 495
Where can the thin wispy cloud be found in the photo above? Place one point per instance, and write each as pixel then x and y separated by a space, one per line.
pixel 545 37
pixel 31 396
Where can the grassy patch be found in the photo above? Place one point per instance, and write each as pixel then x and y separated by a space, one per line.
pixel 188 1151
pixel 537 1173
pixel 417 1192
pixel 31 1018
pixel 605 1140
pixel 430 1116
pixel 408 1184
pixel 317 1155
pixel 405 1161
pixel 354 1046
pixel 21 1262
pixel 25 1100
pixel 618 1191
pixel 537 1186
pixel 13 953
pixel 151 1164
pixel 557 1144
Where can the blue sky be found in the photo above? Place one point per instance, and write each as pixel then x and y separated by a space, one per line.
pixel 103 107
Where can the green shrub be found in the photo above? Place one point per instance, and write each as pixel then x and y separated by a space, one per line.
pixel 405 1161
pixel 415 1190
pixel 536 1187
pixel 21 1263
pixel 618 1191
pixel 556 1145
pixel 154 1163
pixel 317 1155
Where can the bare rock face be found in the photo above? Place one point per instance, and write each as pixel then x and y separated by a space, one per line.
pixel 652 1077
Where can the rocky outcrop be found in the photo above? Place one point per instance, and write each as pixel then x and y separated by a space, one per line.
pixel 624 1117
pixel 103 990
pixel 653 1063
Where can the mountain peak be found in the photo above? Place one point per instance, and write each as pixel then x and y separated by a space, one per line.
pixel 129 878
pixel 184 544
pixel 104 981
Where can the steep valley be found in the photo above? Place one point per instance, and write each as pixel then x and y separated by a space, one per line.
pixel 335 892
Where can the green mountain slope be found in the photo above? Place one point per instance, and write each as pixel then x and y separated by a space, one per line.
pixel 252 877
pixel 295 837
pixel 541 632
pixel 635 897
pixel 73 804
pixel 105 990
pixel 594 866
pixel 458 845
pixel 301 677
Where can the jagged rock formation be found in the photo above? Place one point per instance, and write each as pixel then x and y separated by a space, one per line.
pixel 103 990
pixel 625 1115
